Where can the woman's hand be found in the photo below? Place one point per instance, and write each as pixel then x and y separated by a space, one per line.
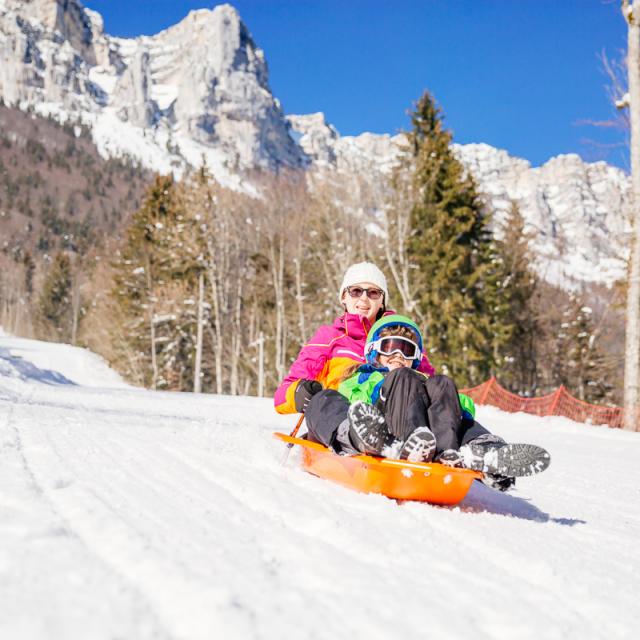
pixel 305 390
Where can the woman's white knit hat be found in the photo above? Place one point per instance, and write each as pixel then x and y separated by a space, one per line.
pixel 364 272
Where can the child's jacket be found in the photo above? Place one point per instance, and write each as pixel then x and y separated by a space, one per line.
pixel 327 356
pixel 365 385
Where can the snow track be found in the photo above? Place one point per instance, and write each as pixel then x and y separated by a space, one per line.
pixel 131 514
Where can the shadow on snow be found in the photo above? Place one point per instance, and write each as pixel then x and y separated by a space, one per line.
pixel 26 370
pixel 483 499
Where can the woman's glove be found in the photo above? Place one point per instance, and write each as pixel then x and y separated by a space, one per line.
pixel 305 390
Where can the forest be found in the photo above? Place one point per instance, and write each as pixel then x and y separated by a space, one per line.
pixel 187 285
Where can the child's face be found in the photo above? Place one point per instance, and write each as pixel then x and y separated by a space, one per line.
pixel 394 361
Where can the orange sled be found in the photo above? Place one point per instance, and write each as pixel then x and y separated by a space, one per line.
pixel 399 479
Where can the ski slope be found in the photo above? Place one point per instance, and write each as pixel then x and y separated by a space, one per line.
pixel 131 514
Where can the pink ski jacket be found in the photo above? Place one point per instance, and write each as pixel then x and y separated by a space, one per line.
pixel 327 355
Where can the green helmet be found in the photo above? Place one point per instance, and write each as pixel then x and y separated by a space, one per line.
pixel 388 321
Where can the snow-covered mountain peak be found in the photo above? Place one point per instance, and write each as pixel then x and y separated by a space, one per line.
pixel 217 39
pixel 315 136
pixel 68 20
pixel 577 210
pixel 197 90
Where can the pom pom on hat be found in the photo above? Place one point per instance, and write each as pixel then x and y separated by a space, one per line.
pixel 364 272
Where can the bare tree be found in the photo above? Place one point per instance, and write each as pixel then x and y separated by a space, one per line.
pixel 197 373
pixel 631 13
pixel 76 301
pixel 397 217
pixel 341 214
pixel 152 325
pixel 280 225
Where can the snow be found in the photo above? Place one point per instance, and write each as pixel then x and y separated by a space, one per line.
pixel 135 514
pixel 32 360
pixel 113 137
pixel 104 78
pixel 164 95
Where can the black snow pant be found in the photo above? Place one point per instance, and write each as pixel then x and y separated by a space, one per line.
pixel 324 413
pixel 408 400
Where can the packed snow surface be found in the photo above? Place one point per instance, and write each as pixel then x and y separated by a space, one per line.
pixel 134 514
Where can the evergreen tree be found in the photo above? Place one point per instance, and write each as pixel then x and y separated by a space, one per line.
pixel 55 310
pixel 516 358
pixel 580 365
pixel 29 271
pixel 452 250
pixel 155 290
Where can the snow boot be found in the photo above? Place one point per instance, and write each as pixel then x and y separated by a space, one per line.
pixel 420 446
pixel 367 428
pixel 492 455
pixel 343 445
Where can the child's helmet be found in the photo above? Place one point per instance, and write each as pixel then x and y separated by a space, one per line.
pixel 371 350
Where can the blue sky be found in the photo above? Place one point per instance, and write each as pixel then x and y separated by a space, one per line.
pixel 520 75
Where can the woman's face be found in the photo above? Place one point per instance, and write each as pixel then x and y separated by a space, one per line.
pixel 363 306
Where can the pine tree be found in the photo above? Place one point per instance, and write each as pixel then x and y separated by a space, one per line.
pixel 29 271
pixel 516 358
pixel 580 364
pixel 452 250
pixel 155 290
pixel 55 310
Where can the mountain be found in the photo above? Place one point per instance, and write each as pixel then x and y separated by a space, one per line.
pixel 577 210
pixel 199 91
pixel 56 191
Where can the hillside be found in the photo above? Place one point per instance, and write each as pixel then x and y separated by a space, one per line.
pixel 134 514
pixel 56 191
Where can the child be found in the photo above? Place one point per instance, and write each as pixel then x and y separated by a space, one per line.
pixel 398 412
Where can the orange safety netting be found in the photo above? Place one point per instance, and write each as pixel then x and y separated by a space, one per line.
pixel 558 403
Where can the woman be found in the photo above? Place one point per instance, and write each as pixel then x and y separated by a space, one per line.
pixel 310 386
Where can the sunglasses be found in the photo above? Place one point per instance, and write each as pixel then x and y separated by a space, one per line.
pixel 372 294
pixel 395 344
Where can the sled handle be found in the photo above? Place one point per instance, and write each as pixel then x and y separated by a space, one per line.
pixel 292 435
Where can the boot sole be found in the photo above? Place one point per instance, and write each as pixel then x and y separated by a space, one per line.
pixel 367 428
pixel 512 460
pixel 419 447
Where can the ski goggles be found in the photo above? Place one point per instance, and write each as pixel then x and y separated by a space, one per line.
pixel 372 294
pixel 395 344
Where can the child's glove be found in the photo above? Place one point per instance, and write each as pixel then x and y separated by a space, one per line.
pixel 450 458
pixel 305 390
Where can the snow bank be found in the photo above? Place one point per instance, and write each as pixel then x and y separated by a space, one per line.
pixel 48 362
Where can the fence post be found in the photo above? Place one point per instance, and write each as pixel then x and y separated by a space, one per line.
pixel 556 400
pixel 485 393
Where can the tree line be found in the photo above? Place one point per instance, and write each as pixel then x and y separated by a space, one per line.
pixel 215 289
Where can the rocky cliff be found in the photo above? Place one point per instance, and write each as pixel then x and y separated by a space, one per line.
pixel 577 211
pixel 196 90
